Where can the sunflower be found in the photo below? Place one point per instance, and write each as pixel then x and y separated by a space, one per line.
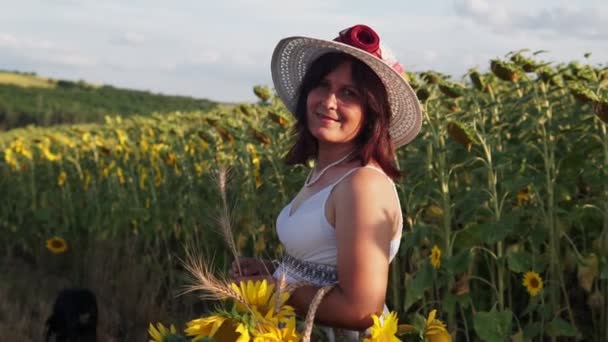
pixel 11 159
pixel 436 257
pixel 286 332
pixel 221 328
pixel 262 299
pixel 56 245
pixel 45 149
pixel 533 283
pixel 523 196
pixel 435 330
pixel 159 332
pixel 383 331
pixel 61 178
pixel 120 175
pixel 205 326
pixel 199 169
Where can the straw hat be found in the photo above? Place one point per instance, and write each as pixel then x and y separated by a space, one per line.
pixel 293 56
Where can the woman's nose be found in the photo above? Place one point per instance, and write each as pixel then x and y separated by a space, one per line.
pixel 330 101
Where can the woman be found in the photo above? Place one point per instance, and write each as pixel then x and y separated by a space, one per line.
pixel 353 108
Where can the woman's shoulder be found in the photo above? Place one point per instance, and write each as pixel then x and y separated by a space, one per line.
pixel 368 180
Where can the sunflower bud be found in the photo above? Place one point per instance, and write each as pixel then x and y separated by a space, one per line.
pixel 204 136
pixel 596 301
pixel 505 71
pixel 431 77
pixel 527 64
pixel 211 122
pixel 461 286
pixel 450 89
pixel 601 110
pixel 583 94
pixel 279 119
pixel 433 212
pixel 260 137
pixel 412 79
pixel 548 75
pixel 461 134
pixel 477 80
pixel 588 271
pixel 224 134
pixel 245 110
pixel 262 92
pixel 423 94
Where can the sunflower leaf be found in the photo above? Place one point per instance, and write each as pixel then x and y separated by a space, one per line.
pixel 532 330
pixel 493 325
pixel 417 286
pixel 459 262
pixel 559 327
pixel 519 261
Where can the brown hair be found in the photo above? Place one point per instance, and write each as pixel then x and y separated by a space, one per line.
pixel 373 139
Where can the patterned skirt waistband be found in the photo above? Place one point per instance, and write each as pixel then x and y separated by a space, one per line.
pixel 312 272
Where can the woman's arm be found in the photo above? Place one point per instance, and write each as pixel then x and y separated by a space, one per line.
pixel 364 206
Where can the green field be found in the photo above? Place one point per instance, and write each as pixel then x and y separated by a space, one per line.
pixel 28 99
pixel 25 80
pixel 505 202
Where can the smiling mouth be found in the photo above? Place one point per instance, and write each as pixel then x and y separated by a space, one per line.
pixel 325 117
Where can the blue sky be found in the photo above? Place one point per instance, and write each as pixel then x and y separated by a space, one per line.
pixel 220 49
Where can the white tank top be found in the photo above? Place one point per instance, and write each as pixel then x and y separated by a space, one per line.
pixel 308 237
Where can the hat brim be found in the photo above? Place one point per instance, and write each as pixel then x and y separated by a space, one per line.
pixel 293 56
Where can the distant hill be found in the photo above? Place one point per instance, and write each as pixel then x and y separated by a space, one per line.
pixel 26 98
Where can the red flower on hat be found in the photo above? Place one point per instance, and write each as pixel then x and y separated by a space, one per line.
pixel 365 38
pixel 361 37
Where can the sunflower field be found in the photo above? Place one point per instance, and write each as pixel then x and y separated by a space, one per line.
pixel 505 197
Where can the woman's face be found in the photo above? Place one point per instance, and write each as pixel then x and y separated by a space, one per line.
pixel 334 107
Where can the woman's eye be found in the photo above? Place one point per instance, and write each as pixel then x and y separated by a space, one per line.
pixel 349 93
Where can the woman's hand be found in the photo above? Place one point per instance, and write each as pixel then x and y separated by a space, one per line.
pixel 251 269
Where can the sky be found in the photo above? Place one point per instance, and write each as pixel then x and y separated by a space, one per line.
pixel 220 49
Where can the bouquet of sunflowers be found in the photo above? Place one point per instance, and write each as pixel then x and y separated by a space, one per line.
pixel 257 311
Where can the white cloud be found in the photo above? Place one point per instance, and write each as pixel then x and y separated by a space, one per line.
pixel 44 51
pixel 71 59
pixel 10 41
pixel 555 22
pixel 7 40
pixel 494 13
pixel 206 57
pixel 220 49
pixel 130 39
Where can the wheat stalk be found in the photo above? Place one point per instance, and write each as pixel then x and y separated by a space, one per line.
pixel 200 278
pixel 224 219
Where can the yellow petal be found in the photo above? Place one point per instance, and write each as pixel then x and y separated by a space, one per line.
pixel 431 317
pixel 155 334
pixel 236 288
pixel 242 329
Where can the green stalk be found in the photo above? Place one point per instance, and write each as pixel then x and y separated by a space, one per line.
pixel 444 178
pixel 446 204
pixel 496 208
pixel 554 242
pixel 604 314
pixel 395 288
pixel 464 321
